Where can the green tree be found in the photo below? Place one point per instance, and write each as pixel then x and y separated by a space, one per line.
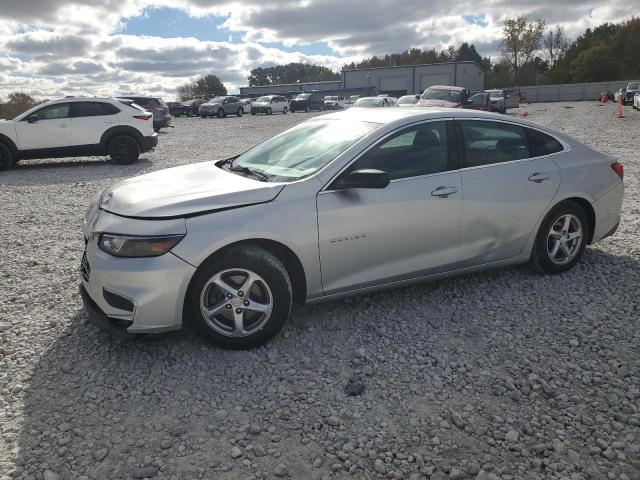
pixel 18 103
pixel 205 87
pixel 520 43
pixel 593 65
pixel 291 73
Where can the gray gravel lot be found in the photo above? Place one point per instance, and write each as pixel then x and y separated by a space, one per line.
pixel 500 375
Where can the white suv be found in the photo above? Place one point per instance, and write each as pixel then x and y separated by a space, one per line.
pixel 75 127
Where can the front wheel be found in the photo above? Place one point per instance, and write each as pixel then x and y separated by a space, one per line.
pixel 203 115
pixel 269 112
pixel 123 149
pixel 221 113
pixel 284 111
pixel 6 157
pixel 561 239
pixel 240 299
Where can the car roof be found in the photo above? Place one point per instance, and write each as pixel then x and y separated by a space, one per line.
pixel 80 99
pixel 446 87
pixel 387 116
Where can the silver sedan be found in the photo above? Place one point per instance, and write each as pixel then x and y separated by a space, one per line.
pixel 340 205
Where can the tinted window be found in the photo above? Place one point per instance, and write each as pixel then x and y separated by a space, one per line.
pixel 60 110
pixel 92 109
pixel 542 144
pixel 414 151
pixel 493 142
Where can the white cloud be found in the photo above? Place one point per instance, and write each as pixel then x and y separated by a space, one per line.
pixel 62 47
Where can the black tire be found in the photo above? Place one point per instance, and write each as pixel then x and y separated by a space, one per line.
pixel 156 129
pixel 239 112
pixel 306 109
pixel 253 113
pixel 540 260
pixel 256 260
pixel 221 113
pixel 284 111
pixel 269 112
pixel 123 149
pixel 203 115
pixel 7 159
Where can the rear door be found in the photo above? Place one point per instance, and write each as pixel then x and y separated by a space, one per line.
pixel 89 120
pixel 48 127
pixel 231 105
pixel 507 187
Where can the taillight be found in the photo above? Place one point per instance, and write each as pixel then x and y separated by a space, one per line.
pixel 619 169
pixel 144 116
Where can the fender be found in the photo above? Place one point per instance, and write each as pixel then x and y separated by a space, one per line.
pixel 111 132
pixel 9 143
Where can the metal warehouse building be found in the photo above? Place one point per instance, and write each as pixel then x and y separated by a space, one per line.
pixel 411 79
pixel 394 81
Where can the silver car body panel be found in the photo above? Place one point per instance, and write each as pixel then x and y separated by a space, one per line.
pixel 348 242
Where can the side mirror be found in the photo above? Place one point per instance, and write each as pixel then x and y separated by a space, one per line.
pixel 33 118
pixel 364 178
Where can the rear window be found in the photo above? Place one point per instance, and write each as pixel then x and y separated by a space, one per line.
pixel 148 102
pixel 542 144
pixel 92 109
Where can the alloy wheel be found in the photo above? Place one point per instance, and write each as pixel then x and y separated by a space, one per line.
pixel 564 239
pixel 236 302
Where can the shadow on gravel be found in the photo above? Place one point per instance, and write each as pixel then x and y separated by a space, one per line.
pixel 100 407
pixel 48 172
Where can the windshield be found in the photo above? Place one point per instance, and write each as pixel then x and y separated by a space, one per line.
pixel 368 102
pixel 408 100
pixel 303 149
pixel 633 86
pixel 216 100
pixel 441 94
pixel 264 99
pixel 496 94
pixel 331 99
pixel 303 96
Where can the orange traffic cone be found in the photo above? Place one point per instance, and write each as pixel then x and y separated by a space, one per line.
pixel 620 113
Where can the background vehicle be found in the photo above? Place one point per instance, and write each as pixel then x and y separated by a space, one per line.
pixel 192 106
pixel 160 110
pixel 479 101
pixel 270 104
pixel 374 102
pixel 630 91
pixel 636 101
pixel 246 103
pixel 444 96
pixel 408 100
pixel 334 102
pixel 512 97
pixel 307 102
pixel 497 101
pixel 177 109
pixel 75 127
pixel 221 107
pixel 352 99
pixel 355 182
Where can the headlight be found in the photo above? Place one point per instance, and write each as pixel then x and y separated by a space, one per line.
pixel 137 246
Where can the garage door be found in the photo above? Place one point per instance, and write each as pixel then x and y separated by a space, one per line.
pixel 428 79
pixel 393 84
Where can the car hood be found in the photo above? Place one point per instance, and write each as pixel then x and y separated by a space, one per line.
pixel 185 191
pixel 437 103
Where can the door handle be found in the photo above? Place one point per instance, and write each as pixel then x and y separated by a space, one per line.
pixel 443 192
pixel 539 177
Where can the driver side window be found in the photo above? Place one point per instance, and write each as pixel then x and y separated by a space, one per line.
pixel 411 152
pixel 52 112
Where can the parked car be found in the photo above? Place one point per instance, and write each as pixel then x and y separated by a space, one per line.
pixel 352 99
pixel 192 107
pixel 270 104
pixel 636 101
pixel 246 103
pixel 408 100
pixel 512 97
pixel 444 96
pixel 155 105
pixel 221 107
pixel 306 102
pixel 498 103
pixel 177 109
pixel 75 127
pixel 207 242
pixel 374 102
pixel 630 91
pixel 334 102
pixel 479 101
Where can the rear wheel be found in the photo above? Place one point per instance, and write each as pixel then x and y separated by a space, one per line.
pixel 284 111
pixel 203 115
pixel 240 299
pixel 269 112
pixel 221 113
pixel 6 157
pixel 561 240
pixel 123 149
pixel 239 112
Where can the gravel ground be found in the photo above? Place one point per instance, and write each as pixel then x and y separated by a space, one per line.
pixel 499 375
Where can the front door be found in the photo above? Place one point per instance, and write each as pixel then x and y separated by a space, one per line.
pixel 408 229
pixel 507 188
pixel 48 127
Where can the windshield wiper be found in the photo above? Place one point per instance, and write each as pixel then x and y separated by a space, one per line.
pixel 263 177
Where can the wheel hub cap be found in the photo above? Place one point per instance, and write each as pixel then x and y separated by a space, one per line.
pixel 564 239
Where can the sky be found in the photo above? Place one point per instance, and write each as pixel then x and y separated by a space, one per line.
pixel 54 48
